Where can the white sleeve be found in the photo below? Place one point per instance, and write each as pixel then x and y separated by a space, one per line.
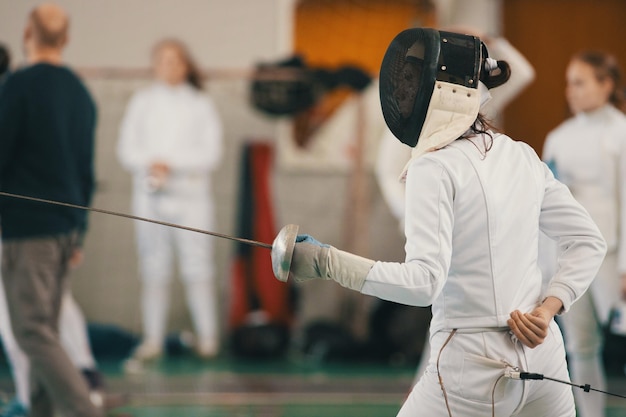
pixel 392 157
pixel 522 74
pixel 429 221
pixel 581 247
pixel 130 149
pixel 548 249
pixel 206 153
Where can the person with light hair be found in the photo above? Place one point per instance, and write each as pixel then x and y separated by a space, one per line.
pixel 171 141
pixel 47 124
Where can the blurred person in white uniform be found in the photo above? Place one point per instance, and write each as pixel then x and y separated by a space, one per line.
pixel 588 154
pixel 171 141
pixel 476 201
pixel 393 154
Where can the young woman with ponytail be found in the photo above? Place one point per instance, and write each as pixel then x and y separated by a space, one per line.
pixel 587 152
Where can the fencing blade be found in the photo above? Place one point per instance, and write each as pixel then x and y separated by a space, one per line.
pixel 144 219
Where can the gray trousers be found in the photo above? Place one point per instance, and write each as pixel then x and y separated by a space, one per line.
pixel 34 272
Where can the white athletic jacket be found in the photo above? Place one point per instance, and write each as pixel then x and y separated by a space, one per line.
pixel 589 153
pixel 472 225
pixel 175 125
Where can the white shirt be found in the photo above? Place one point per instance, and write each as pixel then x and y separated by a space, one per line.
pixel 472 227
pixel 589 152
pixel 176 125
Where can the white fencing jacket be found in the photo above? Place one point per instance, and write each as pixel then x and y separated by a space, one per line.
pixel 589 154
pixel 176 125
pixel 472 225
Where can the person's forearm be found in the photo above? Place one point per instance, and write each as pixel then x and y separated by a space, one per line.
pixel 553 305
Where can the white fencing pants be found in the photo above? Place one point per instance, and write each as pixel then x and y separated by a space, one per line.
pixel 73 333
pixel 74 338
pixel 159 245
pixel 471 366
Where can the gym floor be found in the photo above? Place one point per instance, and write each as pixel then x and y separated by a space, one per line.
pixel 185 386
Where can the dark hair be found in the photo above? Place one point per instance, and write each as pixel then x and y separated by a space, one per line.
pixel 482 125
pixel 44 35
pixel 194 75
pixel 5 59
pixel 605 66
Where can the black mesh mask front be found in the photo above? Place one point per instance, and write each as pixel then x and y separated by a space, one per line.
pixel 414 61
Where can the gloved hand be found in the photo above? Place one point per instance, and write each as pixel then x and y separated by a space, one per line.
pixel 316 260
pixel 310 259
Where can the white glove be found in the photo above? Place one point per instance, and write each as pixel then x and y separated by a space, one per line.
pixel 315 260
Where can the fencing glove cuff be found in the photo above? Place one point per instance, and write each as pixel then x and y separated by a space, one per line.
pixel 315 260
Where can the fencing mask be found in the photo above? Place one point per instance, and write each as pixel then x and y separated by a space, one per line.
pixel 429 86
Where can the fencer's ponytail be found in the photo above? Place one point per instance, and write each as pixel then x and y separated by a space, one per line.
pixel 494 77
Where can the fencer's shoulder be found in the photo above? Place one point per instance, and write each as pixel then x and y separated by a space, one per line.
pixel 530 154
pixel 501 138
pixel 495 145
pixel 448 159
pixel 430 162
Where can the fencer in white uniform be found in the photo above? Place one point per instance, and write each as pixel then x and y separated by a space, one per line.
pixel 174 125
pixel 476 202
pixel 588 154
pixel 393 154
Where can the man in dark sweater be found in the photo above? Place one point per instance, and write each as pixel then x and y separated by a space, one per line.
pixel 47 121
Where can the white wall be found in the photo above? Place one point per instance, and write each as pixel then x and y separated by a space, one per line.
pixel 221 33
pixel 481 15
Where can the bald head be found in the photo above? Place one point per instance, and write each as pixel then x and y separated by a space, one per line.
pixel 48 24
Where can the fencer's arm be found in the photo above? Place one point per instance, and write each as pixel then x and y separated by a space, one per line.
pixel 581 246
pixel 130 146
pixel 206 152
pixel 420 279
pixel 428 227
pixel 392 156
pixel 315 260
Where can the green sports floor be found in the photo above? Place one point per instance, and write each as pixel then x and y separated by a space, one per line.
pixel 184 386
